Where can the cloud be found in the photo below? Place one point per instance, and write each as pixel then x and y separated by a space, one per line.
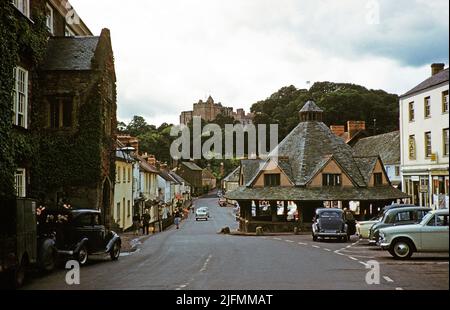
pixel 171 53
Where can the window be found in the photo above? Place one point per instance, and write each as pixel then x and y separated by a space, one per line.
pixel 128 208
pixel 377 179
pixel 20 181
pixel 397 171
pixel 272 179
pixel 118 174
pixel 124 174
pixel 68 32
pixel 84 220
pixel 118 211
pixel 427 107
pixel 428 150
pixel 411 111
pixel 412 147
pixel 331 179
pixel 60 111
pixel 404 216
pixel 445 141
pixel 129 174
pixel 23 6
pixel 20 97
pixel 49 18
pixel 445 101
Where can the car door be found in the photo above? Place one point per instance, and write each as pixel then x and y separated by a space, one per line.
pixel 435 234
pixel 83 228
pixel 98 234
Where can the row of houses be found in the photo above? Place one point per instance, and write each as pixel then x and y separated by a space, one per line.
pixel 143 184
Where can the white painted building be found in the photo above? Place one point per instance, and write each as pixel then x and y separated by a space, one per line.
pixel 424 127
pixel 123 191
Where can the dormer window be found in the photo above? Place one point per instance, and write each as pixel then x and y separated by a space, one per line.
pixel 329 179
pixel 272 179
pixel 23 6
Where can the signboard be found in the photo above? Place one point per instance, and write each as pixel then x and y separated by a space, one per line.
pixel 423 189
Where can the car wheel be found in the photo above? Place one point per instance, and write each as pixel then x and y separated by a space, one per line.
pixel 115 251
pixel 82 255
pixel 19 274
pixel 401 249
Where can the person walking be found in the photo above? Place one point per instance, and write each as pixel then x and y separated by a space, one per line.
pixel 177 219
pixel 136 224
pixel 145 223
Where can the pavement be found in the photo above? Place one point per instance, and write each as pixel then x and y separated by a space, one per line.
pixel 196 257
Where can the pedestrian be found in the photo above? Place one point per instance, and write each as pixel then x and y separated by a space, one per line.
pixel 136 224
pixel 145 223
pixel 177 219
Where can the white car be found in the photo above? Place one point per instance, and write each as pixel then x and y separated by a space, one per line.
pixel 202 214
pixel 363 227
pixel 430 235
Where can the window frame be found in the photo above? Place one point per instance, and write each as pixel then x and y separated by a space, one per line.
pixel 50 19
pixel 445 142
pixel 18 94
pixel 272 179
pixel 64 112
pixel 411 111
pixel 23 6
pixel 335 177
pixel 445 103
pixel 378 179
pixel 428 144
pixel 427 107
pixel 22 191
pixel 68 32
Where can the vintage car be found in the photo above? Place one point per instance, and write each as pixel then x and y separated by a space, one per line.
pixel 363 227
pixel 329 223
pixel 430 235
pixel 202 213
pixel 397 217
pixel 81 234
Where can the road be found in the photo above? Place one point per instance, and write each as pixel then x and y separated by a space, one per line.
pixel 196 257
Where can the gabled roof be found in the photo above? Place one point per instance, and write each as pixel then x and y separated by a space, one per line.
pixel 366 166
pixel 306 147
pixel 179 179
pixel 438 78
pixel 206 173
pixel 166 176
pixel 250 168
pixel 233 176
pixel 387 146
pixel 70 53
pixel 145 166
pixel 191 165
pixel 311 106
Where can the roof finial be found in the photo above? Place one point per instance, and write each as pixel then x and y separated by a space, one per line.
pixel 311 112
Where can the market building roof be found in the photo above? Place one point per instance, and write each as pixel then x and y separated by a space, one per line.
pixel 233 176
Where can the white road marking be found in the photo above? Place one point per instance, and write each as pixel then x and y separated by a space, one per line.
pixel 206 263
pixel 363 263
pixel 288 240
pixel 275 238
pixel 316 246
pixel 327 250
pixel 352 258
pixel 399 289
pixel 388 279
pixel 302 243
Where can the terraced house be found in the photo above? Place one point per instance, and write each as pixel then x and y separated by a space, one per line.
pixel 62 109
pixel 311 168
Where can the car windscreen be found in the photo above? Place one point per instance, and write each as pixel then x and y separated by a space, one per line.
pixel 333 214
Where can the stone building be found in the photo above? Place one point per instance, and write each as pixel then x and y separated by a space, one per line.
pixel 192 173
pixel 64 108
pixel 310 168
pixel 209 110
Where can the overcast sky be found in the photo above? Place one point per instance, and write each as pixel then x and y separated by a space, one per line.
pixel 171 53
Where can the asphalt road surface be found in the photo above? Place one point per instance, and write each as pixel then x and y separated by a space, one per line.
pixel 197 257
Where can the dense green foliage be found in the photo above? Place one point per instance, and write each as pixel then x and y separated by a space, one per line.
pixel 340 102
pixel 18 37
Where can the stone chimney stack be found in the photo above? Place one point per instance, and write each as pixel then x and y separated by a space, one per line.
pixel 353 127
pixel 338 130
pixel 436 68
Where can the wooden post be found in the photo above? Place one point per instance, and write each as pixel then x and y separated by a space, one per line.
pixel 257 208
pixel 274 210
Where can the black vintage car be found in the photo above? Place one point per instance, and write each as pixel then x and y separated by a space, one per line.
pixel 80 233
pixel 329 223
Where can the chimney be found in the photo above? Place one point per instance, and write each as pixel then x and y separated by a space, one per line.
pixel 353 127
pixel 436 68
pixel 338 130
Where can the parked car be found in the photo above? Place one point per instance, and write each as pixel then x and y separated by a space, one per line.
pixel 202 213
pixel 329 223
pixel 430 235
pixel 396 217
pixel 363 227
pixel 83 235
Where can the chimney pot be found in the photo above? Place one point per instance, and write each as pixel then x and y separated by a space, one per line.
pixel 338 130
pixel 436 68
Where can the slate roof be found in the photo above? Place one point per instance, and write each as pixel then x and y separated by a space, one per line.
pixel 250 168
pixel 387 146
pixel 306 147
pixel 233 176
pixel 316 193
pixel 166 176
pixel 191 165
pixel 434 80
pixel 366 166
pixel 70 53
pixel 144 165
pixel 178 178
pixel 311 106
pixel 207 174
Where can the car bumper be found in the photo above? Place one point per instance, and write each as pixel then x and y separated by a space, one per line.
pixel 331 234
pixel 384 245
pixel 204 217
